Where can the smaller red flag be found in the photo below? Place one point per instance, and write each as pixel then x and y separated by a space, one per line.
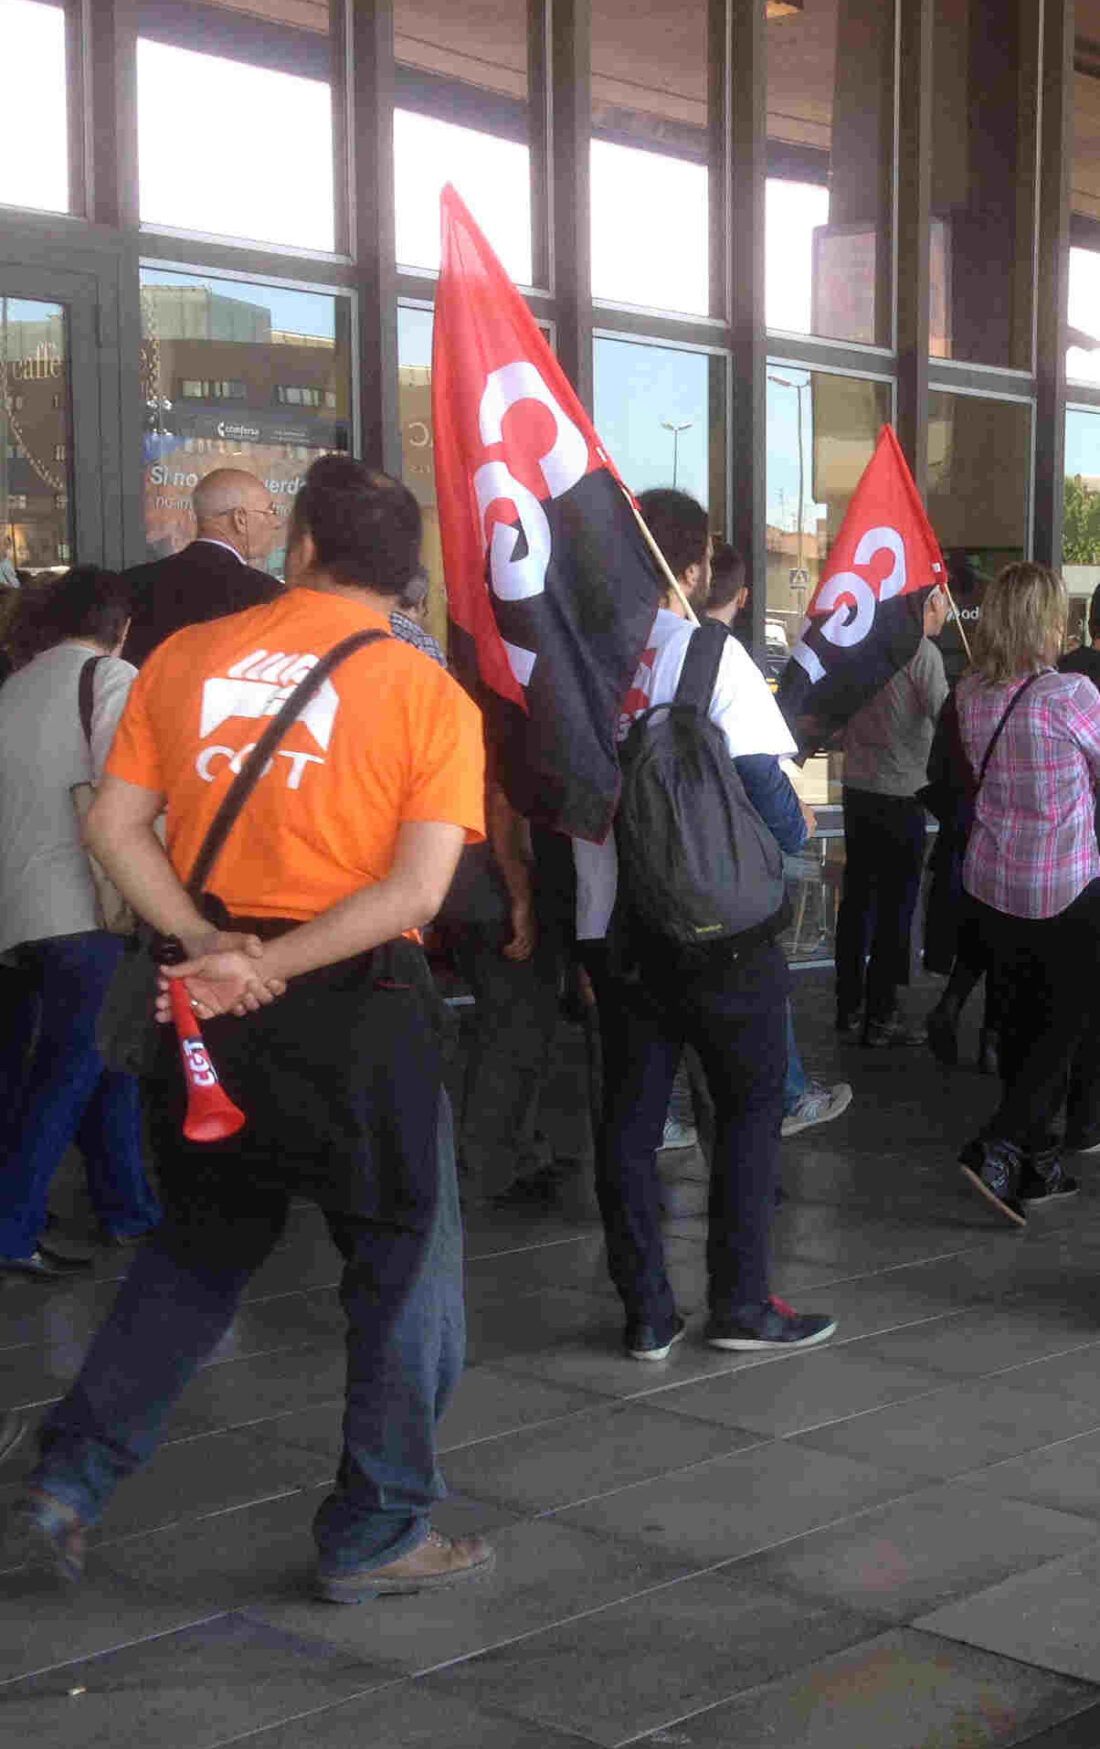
pixel 866 616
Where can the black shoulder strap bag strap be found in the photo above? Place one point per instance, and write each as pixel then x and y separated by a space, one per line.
pixel 1006 713
pixel 86 696
pixel 702 660
pixel 251 770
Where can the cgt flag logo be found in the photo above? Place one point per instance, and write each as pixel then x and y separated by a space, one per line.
pixel 865 619
pixel 551 589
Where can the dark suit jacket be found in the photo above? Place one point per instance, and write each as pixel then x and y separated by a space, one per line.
pixel 203 582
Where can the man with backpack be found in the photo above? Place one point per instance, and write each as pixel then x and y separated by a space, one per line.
pixel 678 915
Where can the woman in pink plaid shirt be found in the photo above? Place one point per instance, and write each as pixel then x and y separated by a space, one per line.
pixel 1032 870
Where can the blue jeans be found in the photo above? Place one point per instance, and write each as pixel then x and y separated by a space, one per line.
pixel 401 1292
pixel 734 1015
pixel 794 1087
pixel 64 1094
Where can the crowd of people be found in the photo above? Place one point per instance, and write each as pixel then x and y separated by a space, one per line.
pixel 291 895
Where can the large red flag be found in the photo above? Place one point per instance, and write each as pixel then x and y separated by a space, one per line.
pixel 865 618
pixel 551 588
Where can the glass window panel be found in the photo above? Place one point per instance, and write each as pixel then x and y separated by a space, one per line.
pixel 272 86
pixel 979 467
pixel 821 433
pixel 649 154
pixel 1085 182
pixel 215 355
pixel 462 117
pixel 414 377
pixel 1083 352
pixel 830 151
pixel 1081 524
pixel 984 97
pixel 35 443
pixel 660 412
pixel 34 161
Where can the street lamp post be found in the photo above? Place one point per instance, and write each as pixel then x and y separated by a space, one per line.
pixel 670 425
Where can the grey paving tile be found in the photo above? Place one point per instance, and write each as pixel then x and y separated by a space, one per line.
pixel 587 1454
pixel 410 1715
pixel 545 1573
pixel 742 1504
pixel 489 1402
pixel 638 1665
pixel 1049 1617
pixel 956 1429
pixel 284 1321
pixel 503 1329
pixel 906 1690
pixel 254 1553
pixel 905 1558
pixel 1082 1731
pixel 235 1393
pixel 194 1477
pixel 43 1623
pixel 595 1362
pixel 1066 1476
pixel 988 1340
pixel 805 1390
pixel 580 1263
pixel 201 1685
pixel 28 1377
pixel 1076 1372
pixel 47 1316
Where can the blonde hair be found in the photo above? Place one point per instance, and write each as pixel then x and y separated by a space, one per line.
pixel 1022 623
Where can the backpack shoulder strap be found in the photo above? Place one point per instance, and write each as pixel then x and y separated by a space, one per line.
pixel 251 770
pixel 702 660
pixel 86 696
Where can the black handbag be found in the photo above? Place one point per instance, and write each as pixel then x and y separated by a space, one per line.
pixel 127 1035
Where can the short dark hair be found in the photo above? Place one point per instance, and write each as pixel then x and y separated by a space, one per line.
pixel 1094 614
pixel 727 575
pixel 678 523
pixel 85 602
pixel 364 524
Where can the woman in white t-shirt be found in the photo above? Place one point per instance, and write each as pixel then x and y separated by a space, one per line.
pixel 54 1089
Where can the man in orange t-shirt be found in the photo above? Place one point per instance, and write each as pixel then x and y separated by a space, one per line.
pixel 319 1016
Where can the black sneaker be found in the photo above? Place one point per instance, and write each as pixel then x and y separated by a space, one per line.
pixel 1086 1143
pixel 995 1168
pixel 643 1342
pixel 896 1031
pixel 849 1027
pixel 772 1325
pixel 1042 1178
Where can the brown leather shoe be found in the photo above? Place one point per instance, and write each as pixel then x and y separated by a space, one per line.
pixel 45 1533
pixel 434 1563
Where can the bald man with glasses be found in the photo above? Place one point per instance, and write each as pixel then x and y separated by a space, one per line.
pixel 237 527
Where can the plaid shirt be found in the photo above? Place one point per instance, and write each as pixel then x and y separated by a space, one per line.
pixel 407 629
pixel 1033 846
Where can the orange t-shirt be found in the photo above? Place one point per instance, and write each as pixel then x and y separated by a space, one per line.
pixel 389 738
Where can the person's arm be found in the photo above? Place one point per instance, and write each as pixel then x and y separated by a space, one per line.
pixel 929 678
pixel 111 688
pixel 507 834
pixel 424 863
pixel 772 794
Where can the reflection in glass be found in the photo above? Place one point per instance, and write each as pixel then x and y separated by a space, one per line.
pixel 979 466
pixel 265 172
pixel 414 377
pixel 829 195
pixel 1081 524
pixel 492 175
pixel 660 414
pixel 236 375
pixel 34 156
pixel 649 154
pixel 984 97
pixel 35 443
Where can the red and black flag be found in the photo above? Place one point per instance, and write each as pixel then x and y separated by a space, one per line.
pixel 551 588
pixel 866 616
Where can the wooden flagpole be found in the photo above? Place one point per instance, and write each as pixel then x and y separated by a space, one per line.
pixel 946 587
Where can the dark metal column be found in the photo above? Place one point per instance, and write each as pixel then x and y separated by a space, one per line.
pixel 371 224
pixel 914 195
pixel 111 158
pixel 1052 292
pixel 539 135
pixel 748 419
pixel 571 204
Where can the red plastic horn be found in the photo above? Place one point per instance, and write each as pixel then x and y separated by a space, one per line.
pixel 211 1114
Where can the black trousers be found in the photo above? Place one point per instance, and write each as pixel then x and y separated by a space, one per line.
pixel 1048 982
pixel 735 1015
pixel 884 854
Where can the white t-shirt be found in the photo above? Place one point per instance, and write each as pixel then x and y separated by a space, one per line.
pixel 741 705
pixel 45 884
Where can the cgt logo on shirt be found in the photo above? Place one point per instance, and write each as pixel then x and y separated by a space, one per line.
pixel 258 687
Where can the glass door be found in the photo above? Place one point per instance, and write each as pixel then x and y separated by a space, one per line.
pixel 36 529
